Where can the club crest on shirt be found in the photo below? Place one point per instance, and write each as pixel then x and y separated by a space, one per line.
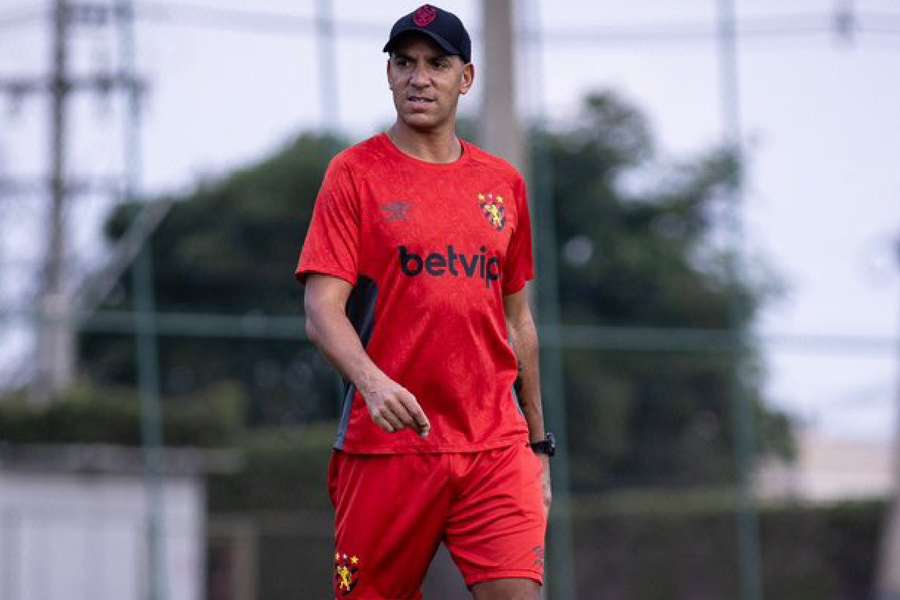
pixel 346 572
pixel 493 210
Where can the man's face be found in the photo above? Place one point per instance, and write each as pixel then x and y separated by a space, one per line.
pixel 426 82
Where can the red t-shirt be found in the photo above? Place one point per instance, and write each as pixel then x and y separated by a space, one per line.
pixel 431 249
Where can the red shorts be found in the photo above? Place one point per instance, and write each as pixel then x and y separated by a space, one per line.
pixel 392 511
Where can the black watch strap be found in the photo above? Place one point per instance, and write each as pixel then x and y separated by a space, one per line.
pixel 545 446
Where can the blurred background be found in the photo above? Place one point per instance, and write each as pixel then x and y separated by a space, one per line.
pixel 716 200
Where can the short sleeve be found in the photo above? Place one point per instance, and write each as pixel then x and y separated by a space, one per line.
pixel 332 241
pixel 519 262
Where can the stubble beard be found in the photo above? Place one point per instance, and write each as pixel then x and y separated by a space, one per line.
pixel 429 124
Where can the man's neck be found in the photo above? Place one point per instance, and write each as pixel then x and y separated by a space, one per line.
pixel 440 146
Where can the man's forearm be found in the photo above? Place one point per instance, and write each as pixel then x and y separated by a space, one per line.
pixel 391 406
pixel 334 336
pixel 524 339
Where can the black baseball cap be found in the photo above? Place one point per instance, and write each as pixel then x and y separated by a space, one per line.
pixel 443 27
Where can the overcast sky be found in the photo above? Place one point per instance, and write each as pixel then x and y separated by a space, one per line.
pixel 820 115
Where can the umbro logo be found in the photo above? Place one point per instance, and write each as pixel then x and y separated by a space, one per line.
pixel 396 211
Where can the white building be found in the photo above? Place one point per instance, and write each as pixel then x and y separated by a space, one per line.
pixel 73 524
pixel 829 469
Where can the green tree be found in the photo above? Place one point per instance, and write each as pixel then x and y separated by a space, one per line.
pixel 230 247
pixel 636 249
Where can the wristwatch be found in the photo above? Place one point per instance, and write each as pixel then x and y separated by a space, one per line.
pixel 545 446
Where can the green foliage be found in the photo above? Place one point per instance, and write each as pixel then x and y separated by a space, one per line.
pixel 645 546
pixel 640 243
pixel 85 414
pixel 231 247
pixel 638 247
pixel 282 469
pixel 808 553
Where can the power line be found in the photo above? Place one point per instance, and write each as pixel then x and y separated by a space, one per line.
pixel 250 21
pixel 692 31
pixel 192 15
pixel 274 22
pixel 882 16
pixel 55 344
pixel 282 23
pixel 875 29
pixel 270 22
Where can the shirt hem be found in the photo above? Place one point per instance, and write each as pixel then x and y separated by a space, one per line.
pixel 519 438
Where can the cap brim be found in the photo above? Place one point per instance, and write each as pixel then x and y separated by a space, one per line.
pixel 444 44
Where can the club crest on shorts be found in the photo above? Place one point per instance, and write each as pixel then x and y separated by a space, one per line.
pixel 493 210
pixel 346 572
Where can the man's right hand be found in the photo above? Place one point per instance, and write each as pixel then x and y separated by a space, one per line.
pixel 391 405
pixel 394 408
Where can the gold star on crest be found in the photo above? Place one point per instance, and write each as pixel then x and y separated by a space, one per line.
pixel 354 560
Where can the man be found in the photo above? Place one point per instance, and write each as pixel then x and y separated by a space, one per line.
pixel 415 265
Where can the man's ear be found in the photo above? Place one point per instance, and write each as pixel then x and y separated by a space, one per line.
pixel 388 72
pixel 468 78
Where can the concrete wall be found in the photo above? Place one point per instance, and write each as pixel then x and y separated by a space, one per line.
pixel 67 536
